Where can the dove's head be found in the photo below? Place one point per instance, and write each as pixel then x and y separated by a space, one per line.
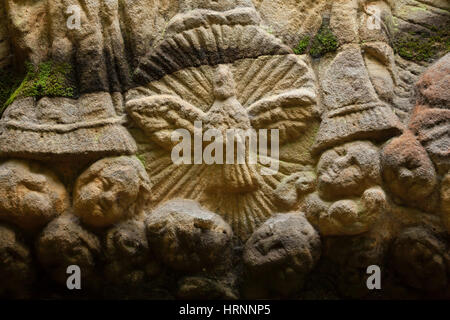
pixel 224 85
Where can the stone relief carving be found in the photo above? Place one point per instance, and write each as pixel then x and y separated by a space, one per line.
pixel 30 195
pixel 61 128
pixel 111 190
pixel 245 91
pixel 362 171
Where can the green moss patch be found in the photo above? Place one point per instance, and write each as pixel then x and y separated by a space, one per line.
pixel 319 45
pixel 325 41
pixel 418 46
pixel 48 79
pixel 303 45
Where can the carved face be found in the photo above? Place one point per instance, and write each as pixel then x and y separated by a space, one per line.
pixel 348 170
pixel 407 169
pixel 109 191
pixel 64 242
pixel 30 195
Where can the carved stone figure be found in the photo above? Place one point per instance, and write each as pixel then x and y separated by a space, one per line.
pixel 252 86
pixel 430 120
pixel 64 242
pixel 286 247
pixel 348 170
pixel 30 195
pixel 353 109
pixel 16 265
pixel 413 162
pixel 186 237
pixel 128 254
pixel 62 128
pixel 225 149
pixel 421 260
pixel 348 216
pixel 111 190
pixel 407 170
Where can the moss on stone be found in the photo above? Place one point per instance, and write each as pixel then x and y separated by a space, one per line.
pixel 302 46
pixel 322 43
pixel 9 82
pixel 423 47
pixel 325 41
pixel 48 79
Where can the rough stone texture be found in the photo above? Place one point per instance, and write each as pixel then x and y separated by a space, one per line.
pixel 188 238
pixel 346 260
pixel 434 85
pixel 430 119
pixel 445 200
pixel 226 36
pixel 421 260
pixel 16 265
pixel 192 288
pixel 408 171
pixel 404 93
pixel 346 217
pixel 421 16
pixel 286 247
pixel 30 195
pixel 344 21
pixel 376 23
pixel 27 25
pixel 64 242
pixel 271 92
pixel 352 108
pixel 431 128
pixel 290 20
pixel 111 190
pixel 142 69
pixel 348 170
pixel 5 50
pixel 294 187
pixel 128 255
pixel 380 62
pixel 62 128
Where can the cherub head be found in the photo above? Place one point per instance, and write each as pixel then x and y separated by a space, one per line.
pixel 111 190
pixel 348 170
pixel 30 195
pixel 407 169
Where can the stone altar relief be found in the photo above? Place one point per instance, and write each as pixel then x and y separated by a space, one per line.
pixel 228 149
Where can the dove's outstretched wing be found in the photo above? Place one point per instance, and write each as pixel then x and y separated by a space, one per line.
pixel 159 116
pixel 289 112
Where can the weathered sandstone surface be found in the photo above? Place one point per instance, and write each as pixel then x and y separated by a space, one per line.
pixel 91 92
